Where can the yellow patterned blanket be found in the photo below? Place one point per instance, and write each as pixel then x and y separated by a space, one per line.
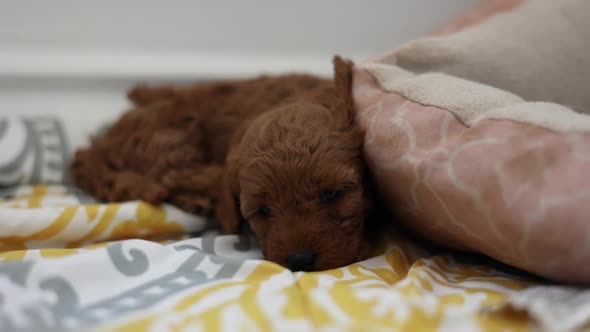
pixel 70 265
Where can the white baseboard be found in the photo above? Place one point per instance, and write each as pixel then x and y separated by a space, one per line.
pixel 138 66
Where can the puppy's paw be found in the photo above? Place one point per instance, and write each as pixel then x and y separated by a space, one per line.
pixel 129 185
pixel 201 205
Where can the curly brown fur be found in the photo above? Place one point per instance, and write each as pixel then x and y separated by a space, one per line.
pixel 281 153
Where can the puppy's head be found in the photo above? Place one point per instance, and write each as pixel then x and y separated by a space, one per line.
pixel 298 179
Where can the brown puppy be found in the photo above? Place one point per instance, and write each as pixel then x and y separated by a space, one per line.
pixel 281 153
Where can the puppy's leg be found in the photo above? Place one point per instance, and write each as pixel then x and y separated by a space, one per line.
pixel 194 189
pixel 198 204
pixel 227 209
pixel 93 174
pixel 130 185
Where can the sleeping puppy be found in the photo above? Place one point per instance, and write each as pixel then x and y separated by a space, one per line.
pixel 281 154
pixel 297 176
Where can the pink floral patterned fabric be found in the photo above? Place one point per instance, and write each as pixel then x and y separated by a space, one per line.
pixel 516 192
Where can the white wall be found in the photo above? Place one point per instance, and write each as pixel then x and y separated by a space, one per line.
pixel 186 37
pixel 66 47
pixel 357 27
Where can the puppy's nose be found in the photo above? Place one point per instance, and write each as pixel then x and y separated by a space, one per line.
pixel 302 261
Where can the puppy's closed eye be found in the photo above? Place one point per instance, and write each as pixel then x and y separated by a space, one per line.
pixel 264 211
pixel 341 202
pixel 329 196
pixel 334 194
pixel 256 210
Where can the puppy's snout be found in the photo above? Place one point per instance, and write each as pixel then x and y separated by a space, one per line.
pixel 302 261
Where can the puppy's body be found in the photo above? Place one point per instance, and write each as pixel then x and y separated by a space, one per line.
pixel 281 153
pixel 172 145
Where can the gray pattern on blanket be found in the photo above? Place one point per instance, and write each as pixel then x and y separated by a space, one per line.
pixel 53 302
pixel 34 150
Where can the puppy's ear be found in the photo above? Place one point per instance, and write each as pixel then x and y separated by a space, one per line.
pixel 228 207
pixel 343 83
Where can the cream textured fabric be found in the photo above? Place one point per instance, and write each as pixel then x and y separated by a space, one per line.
pixel 539 51
pixel 472 102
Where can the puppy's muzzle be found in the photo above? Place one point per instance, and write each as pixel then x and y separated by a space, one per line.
pixel 303 261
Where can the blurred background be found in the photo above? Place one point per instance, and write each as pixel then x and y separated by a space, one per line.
pixel 77 58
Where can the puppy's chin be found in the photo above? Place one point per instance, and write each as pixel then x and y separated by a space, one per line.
pixel 364 251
